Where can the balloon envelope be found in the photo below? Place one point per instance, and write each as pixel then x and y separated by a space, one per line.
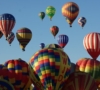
pixel 7 23
pixel 82 21
pixel 51 67
pixel 80 81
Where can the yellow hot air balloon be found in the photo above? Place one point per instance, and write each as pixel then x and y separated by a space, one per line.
pixel 24 36
pixel 70 10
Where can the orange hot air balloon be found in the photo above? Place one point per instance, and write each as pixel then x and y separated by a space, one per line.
pixel 90 66
pixel 54 30
pixel 19 69
pixel 80 81
pixel 70 11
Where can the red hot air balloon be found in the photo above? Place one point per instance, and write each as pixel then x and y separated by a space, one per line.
pixel 80 81
pixel 91 43
pixel 54 30
pixel 7 22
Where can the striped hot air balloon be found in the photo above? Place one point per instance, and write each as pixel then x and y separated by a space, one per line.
pixel 80 81
pixel 62 40
pixel 10 38
pixel 51 67
pixel 19 70
pixel 91 43
pixel 70 11
pixel 7 23
pixel 90 66
pixel 24 36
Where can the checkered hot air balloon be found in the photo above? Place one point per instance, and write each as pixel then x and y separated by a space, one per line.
pixel 50 11
pixel 80 81
pixel 91 43
pixel 10 38
pixel 7 23
pixel 90 66
pixel 82 21
pixel 24 36
pixel 62 40
pixel 54 30
pixel 5 85
pixel 51 67
pixel 19 69
pixel 70 11
pixel 42 45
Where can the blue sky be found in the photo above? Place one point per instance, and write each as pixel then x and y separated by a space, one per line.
pixel 26 15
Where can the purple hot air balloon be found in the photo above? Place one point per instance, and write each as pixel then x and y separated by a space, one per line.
pixel 42 45
pixel 62 40
pixel 10 37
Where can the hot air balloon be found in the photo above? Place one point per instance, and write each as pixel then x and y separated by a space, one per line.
pixel 54 30
pixel 80 81
pixel 7 23
pixel 51 67
pixel 90 66
pixel 70 11
pixel 24 36
pixel 42 45
pixel 50 11
pixel 53 46
pixel 42 15
pixel 1 34
pixel 62 40
pixel 10 38
pixel 82 21
pixel 19 69
pixel 73 66
pixel 5 85
pixel 91 43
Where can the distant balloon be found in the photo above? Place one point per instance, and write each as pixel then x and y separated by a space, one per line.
pixel 82 21
pixel 91 43
pixel 50 11
pixel 7 23
pixel 24 36
pixel 42 15
pixel 62 40
pixel 70 11
pixel 42 45
pixel 1 34
pixel 54 30
pixel 73 66
pixel 10 38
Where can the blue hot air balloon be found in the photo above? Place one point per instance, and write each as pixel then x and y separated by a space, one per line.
pixel 42 45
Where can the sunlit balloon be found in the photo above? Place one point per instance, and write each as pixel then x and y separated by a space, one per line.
pixel 54 30
pixel 91 43
pixel 62 40
pixel 51 67
pixel 24 36
pixel 50 11
pixel 90 66
pixel 7 23
pixel 82 21
pixel 70 11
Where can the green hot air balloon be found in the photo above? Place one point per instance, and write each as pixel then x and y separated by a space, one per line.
pixel 42 15
pixel 50 11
